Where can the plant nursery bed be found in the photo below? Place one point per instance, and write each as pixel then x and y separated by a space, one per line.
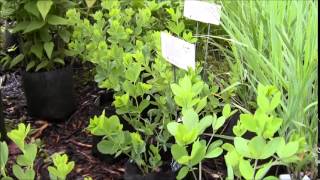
pixel 70 136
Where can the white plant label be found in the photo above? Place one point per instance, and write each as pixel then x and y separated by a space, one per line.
pixel 177 51
pixel 202 11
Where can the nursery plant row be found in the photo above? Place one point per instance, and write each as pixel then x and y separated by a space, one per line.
pixel 185 83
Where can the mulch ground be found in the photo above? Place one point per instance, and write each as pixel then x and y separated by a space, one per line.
pixel 69 136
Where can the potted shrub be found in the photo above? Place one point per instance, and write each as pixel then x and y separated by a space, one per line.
pixel 47 81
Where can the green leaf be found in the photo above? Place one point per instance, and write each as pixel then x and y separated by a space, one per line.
pixel 241 145
pixel 90 3
pixel 20 26
pixel 30 65
pixel 57 20
pixel 263 170
pixel 246 169
pixel 37 49
pixel 28 156
pixel 183 172
pixel 29 174
pixel 33 25
pixel 218 123
pixel 190 118
pixel 42 65
pixel 44 7
pixel 107 147
pixel 288 150
pixel 271 178
pixel 18 135
pixel 65 35
pixel 205 123
pixel 198 152
pixel 172 128
pixel 59 60
pixel 214 153
pixel 48 47
pixel 178 152
pixel 16 60
pixel 4 154
pixel 45 34
pixel 226 110
pixel 31 7
pixel 201 104
pixel 18 172
pixel 133 72
pixel 256 146
pixel 271 147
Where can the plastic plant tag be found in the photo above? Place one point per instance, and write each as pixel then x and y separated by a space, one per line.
pixel 202 11
pixel 178 52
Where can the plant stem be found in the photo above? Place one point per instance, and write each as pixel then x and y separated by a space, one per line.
pixel 194 174
pixel 255 167
pixel 200 171
pixel 219 136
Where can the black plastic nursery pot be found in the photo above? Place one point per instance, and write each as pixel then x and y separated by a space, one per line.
pixel 2 124
pixel 49 94
pixel 132 172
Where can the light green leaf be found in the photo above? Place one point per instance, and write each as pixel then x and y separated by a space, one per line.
pixel 287 150
pixel 178 152
pixel 205 123
pixel 4 154
pixel 48 47
pixel 226 110
pixel 218 123
pixel 172 128
pixel 189 118
pixel 107 147
pixel 44 7
pixel 214 153
pixel 18 172
pixel 90 3
pixel 263 170
pixel 241 145
pixel 201 104
pixel 16 60
pixel 183 172
pixel 246 169
pixel 198 152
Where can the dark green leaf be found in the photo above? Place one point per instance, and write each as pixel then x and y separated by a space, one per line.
pixel 48 47
pixel 59 60
pixel 57 20
pixel 31 7
pixel 42 65
pixel 30 65
pixel 34 25
pixel 16 60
